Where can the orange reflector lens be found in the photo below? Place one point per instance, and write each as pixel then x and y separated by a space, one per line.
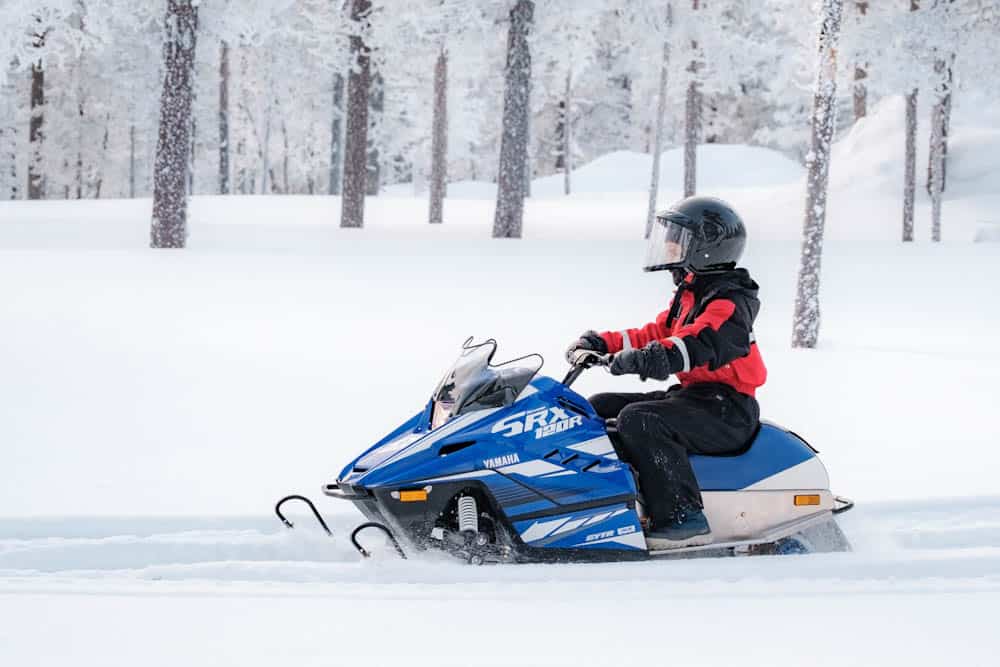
pixel 416 496
pixel 806 500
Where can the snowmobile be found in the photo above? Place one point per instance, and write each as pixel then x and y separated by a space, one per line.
pixel 504 465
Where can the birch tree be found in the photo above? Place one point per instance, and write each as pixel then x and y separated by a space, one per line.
pixel 511 188
pixel 169 228
pixel 805 329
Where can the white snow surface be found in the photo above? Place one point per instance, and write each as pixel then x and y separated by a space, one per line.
pixel 154 404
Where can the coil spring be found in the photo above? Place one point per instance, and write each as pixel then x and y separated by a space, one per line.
pixel 468 515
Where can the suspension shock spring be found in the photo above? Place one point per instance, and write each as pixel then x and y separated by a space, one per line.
pixel 468 515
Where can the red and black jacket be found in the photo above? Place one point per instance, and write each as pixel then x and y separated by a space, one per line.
pixel 706 334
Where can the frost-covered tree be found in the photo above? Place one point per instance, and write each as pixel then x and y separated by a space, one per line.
pixel 860 69
pixel 33 35
pixel 224 171
pixel 514 140
pixel 376 109
pixel 910 154
pixel 566 58
pixel 356 142
pixel 656 19
pixel 805 330
pixel 692 112
pixel 36 179
pixel 169 229
pixel 439 138
pixel 336 134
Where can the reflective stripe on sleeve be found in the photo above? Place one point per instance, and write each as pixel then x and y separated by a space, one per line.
pixel 626 341
pixel 682 348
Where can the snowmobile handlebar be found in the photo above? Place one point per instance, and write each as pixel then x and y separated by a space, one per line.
pixel 584 359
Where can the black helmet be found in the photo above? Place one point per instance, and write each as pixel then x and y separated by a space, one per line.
pixel 696 234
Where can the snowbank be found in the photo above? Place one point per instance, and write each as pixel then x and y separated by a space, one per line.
pixel 869 159
pixel 719 166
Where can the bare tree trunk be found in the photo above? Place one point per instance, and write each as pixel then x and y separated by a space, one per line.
pixel 191 152
pixel 224 119
pixel 169 229
pixel 8 149
pixel 439 139
pixel 78 175
pixel 910 166
pixel 511 175
pixel 560 141
pixel 692 127
pixel 376 98
pixel 352 212
pixel 336 134
pixel 937 162
pixel 692 121
pixel 245 178
pixel 284 158
pixel 36 134
pixel 567 147
pixel 8 139
pixel 99 175
pixel 860 92
pixel 131 161
pixel 805 331
pixel 528 157
pixel 265 171
pixel 661 109
pixel 860 74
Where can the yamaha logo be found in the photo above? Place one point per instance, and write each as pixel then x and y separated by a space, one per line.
pixel 500 461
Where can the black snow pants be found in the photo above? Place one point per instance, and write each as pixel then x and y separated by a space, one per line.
pixel 657 431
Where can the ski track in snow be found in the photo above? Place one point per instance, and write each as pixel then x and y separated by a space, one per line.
pixel 945 546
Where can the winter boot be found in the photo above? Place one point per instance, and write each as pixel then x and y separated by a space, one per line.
pixel 690 531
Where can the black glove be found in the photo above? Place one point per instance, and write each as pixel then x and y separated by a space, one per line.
pixel 590 340
pixel 652 361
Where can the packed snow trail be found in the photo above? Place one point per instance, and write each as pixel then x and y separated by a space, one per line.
pixel 921 587
pixel 948 545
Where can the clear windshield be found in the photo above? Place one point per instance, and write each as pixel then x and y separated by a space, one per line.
pixel 473 384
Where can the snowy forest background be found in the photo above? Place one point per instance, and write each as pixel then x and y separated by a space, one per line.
pixel 269 83
pixel 169 98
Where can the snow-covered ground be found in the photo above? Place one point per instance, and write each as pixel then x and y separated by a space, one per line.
pixel 921 589
pixel 154 404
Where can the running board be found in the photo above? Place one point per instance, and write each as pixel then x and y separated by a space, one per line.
pixel 778 532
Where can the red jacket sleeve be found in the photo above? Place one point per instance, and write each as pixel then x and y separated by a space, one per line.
pixel 719 335
pixel 621 340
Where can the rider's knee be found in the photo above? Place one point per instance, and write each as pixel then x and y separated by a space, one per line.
pixel 603 405
pixel 631 419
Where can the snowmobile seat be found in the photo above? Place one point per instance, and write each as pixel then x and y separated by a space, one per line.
pixel 772 450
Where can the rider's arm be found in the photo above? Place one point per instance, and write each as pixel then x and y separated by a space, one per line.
pixel 719 335
pixel 629 338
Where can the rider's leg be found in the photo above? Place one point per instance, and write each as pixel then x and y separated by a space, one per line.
pixel 608 405
pixel 658 435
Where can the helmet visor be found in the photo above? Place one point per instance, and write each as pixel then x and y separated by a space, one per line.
pixel 668 247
